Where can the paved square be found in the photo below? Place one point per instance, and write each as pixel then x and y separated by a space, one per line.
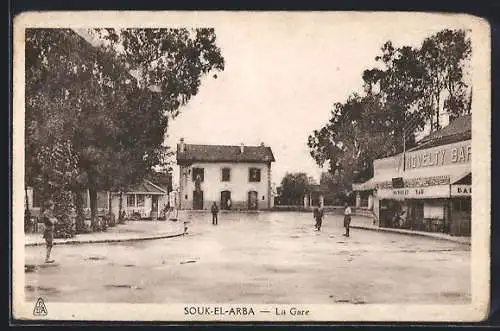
pixel 257 258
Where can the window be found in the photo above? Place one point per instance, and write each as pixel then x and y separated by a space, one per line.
pixel 140 200
pixel 130 200
pixel 462 204
pixel 102 200
pixel 198 172
pixel 254 175
pixel 226 174
pixel 36 199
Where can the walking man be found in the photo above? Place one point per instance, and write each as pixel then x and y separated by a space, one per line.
pixel 50 222
pixel 319 217
pixel 347 219
pixel 215 211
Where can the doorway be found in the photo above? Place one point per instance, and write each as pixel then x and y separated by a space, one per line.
pixel 225 200
pixel 197 200
pixel 253 200
pixel 154 205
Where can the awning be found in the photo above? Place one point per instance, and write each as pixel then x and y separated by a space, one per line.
pixel 461 185
pixel 421 177
pixel 371 183
pixel 464 178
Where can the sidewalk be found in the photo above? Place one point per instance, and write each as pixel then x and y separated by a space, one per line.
pixel 130 231
pixel 366 223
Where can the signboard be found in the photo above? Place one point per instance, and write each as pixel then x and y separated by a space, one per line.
pixel 461 190
pixel 451 154
pixel 440 191
pixel 398 182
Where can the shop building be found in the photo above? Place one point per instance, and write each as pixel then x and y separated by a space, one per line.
pixel 427 188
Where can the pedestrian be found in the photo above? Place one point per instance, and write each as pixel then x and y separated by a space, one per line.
pixel 228 203
pixel 319 217
pixel 315 217
pixel 50 222
pixel 347 219
pixel 215 211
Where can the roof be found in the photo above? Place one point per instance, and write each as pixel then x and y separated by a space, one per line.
pixel 147 187
pixel 457 130
pixel 221 153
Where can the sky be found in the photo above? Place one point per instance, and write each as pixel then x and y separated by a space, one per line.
pixel 283 74
pixel 281 81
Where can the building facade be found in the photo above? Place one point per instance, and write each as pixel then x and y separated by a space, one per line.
pixel 427 188
pixel 234 177
pixel 145 199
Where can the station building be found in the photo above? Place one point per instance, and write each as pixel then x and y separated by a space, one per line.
pixel 234 177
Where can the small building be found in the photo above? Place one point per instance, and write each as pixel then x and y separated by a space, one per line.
pixel 315 196
pixel 427 188
pixel 235 177
pixel 145 199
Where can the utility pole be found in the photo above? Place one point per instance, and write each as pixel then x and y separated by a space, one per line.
pixel 404 150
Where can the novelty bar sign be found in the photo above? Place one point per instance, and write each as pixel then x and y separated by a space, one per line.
pixel 461 190
pixel 458 153
pixel 438 191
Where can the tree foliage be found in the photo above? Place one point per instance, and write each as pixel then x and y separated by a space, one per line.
pixel 408 89
pixel 294 186
pixel 112 123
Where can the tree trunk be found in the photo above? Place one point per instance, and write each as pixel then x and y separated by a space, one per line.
pixel 80 212
pixel 110 203
pixel 93 208
pixel 120 207
pixel 111 216
pixel 27 212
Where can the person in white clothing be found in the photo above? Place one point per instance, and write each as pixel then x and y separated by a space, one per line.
pixel 347 219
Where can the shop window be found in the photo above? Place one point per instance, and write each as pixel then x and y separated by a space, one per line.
pixel 140 200
pixel 226 174
pixel 254 175
pixel 130 200
pixel 198 173
pixel 462 205
pixel 433 211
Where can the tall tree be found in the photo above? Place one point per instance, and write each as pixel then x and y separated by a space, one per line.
pixel 403 92
pixel 445 57
pixel 294 186
pixel 110 117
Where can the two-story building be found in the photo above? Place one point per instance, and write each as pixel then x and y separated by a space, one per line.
pixel 428 187
pixel 235 177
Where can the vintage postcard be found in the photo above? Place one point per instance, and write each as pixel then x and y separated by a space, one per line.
pixel 251 166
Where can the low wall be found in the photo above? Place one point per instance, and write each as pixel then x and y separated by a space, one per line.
pixel 328 209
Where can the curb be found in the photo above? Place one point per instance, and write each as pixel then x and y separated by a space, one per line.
pixel 101 241
pixel 410 233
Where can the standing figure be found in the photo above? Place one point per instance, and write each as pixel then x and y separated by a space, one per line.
pixel 319 217
pixel 228 203
pixel 215 211
pixel 347 219
pixel 50 222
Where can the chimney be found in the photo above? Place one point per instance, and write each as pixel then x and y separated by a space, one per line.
pixel 181 145
pixel 242 147
pixel 262 144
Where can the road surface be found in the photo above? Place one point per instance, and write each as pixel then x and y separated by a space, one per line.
pixel 257 258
